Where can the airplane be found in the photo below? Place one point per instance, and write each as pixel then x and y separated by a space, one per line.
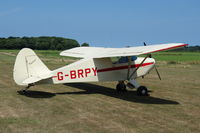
pixel 96 64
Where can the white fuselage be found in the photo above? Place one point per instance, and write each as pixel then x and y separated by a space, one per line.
pixel 101 69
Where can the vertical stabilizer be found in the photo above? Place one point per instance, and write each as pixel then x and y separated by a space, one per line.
pixel 29 68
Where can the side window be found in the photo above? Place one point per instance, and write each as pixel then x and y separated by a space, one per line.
pixel 133 58
pixel 123 59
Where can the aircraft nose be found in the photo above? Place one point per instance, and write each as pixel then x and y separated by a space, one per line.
pixel 151 60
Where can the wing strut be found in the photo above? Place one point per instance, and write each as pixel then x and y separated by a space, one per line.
pixel 139 66
pixel 129 66
pixel 157 72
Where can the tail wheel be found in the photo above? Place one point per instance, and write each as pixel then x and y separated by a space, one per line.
pixel 142 91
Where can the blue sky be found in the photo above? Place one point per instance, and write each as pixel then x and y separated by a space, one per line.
pixel 108 23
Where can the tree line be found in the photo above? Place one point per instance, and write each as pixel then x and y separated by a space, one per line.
pixel 56 43
pixel 39 43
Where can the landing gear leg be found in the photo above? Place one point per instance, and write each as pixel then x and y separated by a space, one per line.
pixel 121 87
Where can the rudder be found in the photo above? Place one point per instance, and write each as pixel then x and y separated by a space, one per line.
pixel 29 68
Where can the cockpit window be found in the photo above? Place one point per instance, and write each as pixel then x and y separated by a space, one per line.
pixel 133 58
pixel 125 59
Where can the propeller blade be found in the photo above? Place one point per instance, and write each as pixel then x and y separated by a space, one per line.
pixel 157 72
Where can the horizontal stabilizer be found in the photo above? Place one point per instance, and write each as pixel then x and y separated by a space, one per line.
pixel 36 79
pixel 31 80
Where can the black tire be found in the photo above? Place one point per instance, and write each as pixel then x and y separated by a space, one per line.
pixel 121 88
pixel 118 88
pixel 142 91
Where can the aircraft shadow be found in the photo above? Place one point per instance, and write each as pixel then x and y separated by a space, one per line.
pixel 88 88
pixel 36 94
pixel 128 96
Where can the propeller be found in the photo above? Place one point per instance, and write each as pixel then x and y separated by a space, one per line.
pixel 150 56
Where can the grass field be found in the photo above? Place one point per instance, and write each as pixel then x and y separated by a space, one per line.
pixel 173 104
pixel 169 57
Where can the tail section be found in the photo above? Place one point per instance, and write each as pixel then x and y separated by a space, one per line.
pixel 29 68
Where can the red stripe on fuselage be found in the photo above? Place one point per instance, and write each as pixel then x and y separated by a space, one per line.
pixel 123 67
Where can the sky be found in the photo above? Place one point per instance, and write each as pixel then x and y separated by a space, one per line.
pixel 104 23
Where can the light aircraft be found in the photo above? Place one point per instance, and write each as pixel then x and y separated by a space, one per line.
pixel 95 65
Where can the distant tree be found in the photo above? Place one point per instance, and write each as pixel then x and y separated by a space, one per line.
pixel 85 45
pixel 2 43
pixel 59 47
pixel 55 43
pixel 40 43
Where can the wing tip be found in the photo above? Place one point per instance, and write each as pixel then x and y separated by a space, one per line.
pixel 173 47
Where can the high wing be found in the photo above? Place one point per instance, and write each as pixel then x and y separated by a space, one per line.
pixel 100 52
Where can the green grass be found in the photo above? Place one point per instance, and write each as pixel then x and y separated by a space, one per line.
pixel 177 56
pixel 159 56
pixel 173 105
pixel 42 53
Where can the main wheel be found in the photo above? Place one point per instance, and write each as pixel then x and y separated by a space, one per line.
pixel 121 87
pixel 142 91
